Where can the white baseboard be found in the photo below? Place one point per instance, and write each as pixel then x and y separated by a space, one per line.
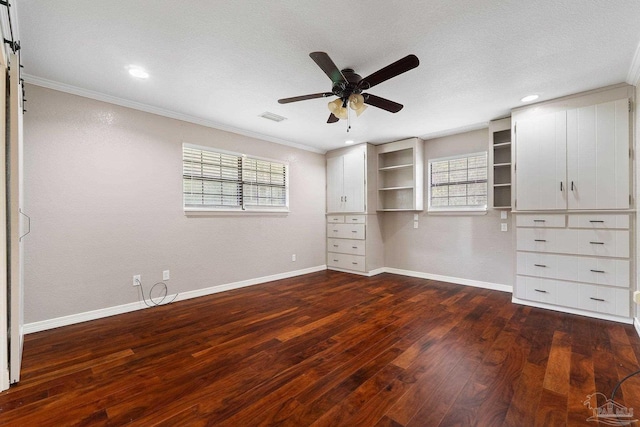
pixel 139 305
pixel 450 279
pixel 594 315
pixel 636 324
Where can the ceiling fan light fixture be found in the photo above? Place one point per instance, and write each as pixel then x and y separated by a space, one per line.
pixel 335 105
pixel 341 113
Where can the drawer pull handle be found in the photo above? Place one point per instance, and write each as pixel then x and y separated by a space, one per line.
pixel 354 247
pixel 354 263
pixel 354 231
pixel 539 220
pixel 598 271
pixel 335 260
pixel 597 243
pixel 539 240
pixel 354 219
pixel 596 299
pixel 335 231
pixel 539 265
pixel 540 290
pixel 593 221
pixel 335 246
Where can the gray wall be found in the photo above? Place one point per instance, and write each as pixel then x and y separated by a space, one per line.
pixel 103 188
pixel 462 246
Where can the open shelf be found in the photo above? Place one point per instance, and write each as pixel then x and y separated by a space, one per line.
pixel 400 175
pixel 500 149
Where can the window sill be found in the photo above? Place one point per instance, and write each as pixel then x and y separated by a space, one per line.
pixel 235 212
pixel 457 212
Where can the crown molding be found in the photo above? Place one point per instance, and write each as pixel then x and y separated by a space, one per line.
pixel 98 96
pixel 633 76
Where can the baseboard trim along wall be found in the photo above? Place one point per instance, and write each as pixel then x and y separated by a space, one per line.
pixel 139 305
pixel 449 279
pixel 594 315
pixel 636 324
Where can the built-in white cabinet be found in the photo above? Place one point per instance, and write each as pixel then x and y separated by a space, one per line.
pixel 354 237
pixel 346 187
pixel 577 261
pixel 578 158
pixel 401 175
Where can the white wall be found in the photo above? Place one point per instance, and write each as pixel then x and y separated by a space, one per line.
pixel 103 188
pixel 463 246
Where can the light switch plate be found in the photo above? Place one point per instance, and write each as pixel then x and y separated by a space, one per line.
pixel 503 214
pixel 503 226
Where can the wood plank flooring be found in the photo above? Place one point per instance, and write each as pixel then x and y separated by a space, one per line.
pixel 327 349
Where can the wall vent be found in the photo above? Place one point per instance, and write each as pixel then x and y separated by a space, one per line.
pixel 271 116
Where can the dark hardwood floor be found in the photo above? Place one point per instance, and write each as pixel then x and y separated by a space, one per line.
pixel 327 349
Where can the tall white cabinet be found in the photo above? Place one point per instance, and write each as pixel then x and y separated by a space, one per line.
pixel 574 211
pixel 354 239
pixel 574 159
pixel 346 182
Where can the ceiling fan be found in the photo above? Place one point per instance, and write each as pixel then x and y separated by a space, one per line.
pixel 349 86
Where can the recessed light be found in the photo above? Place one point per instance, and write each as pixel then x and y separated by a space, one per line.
pixel 349 141
pixel 530 98
pixel 138 72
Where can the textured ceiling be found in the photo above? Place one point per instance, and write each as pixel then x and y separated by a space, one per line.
pixel 224 63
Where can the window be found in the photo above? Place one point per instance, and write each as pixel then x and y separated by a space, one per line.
pixel 458 183
pixel 218 180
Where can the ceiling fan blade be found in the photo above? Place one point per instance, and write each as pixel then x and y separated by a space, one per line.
pixel 383 103
pixel 327 65
pixel 332 118
pixel 304 97
pixel 403 65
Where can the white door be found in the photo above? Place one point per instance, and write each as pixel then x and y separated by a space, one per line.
pixel 541 162
pixel 335 177
pixel 15 218
pixel 598 156
pixel 354 181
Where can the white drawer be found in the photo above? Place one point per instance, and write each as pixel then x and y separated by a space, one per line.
pixel 335 219
pixel 556 240
pixel 604 300
pixel 346 246
pixel 355 219
pixel 609 243
pixel 604 271
pixel 533 220
pixel 346 231
pixel 547 290
pixel 599 221
pixel 346 261
pixel 600 243
pixel 600 271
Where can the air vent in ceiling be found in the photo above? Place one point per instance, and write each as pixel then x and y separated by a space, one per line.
pixel 271 116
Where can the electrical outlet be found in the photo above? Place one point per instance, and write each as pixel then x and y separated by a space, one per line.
pixel 293 257
pixel 415 224
pixel 503 227
pixel 137 279
pixel 165 275
pixel 503 214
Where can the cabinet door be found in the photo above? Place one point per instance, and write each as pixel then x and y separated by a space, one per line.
pixel 541 162
pixel 598 156
pixel 354 182
pixel 335 177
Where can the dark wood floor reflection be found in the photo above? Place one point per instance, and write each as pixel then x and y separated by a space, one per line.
pixel 327 349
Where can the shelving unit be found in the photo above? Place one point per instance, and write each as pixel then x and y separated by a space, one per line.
pixel 500 149
pixel 401 175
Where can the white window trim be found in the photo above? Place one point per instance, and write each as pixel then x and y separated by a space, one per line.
pixel 479 210
pixel 240 210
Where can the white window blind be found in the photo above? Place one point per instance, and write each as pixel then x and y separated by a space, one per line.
pixel 458 183
pixel 214 180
